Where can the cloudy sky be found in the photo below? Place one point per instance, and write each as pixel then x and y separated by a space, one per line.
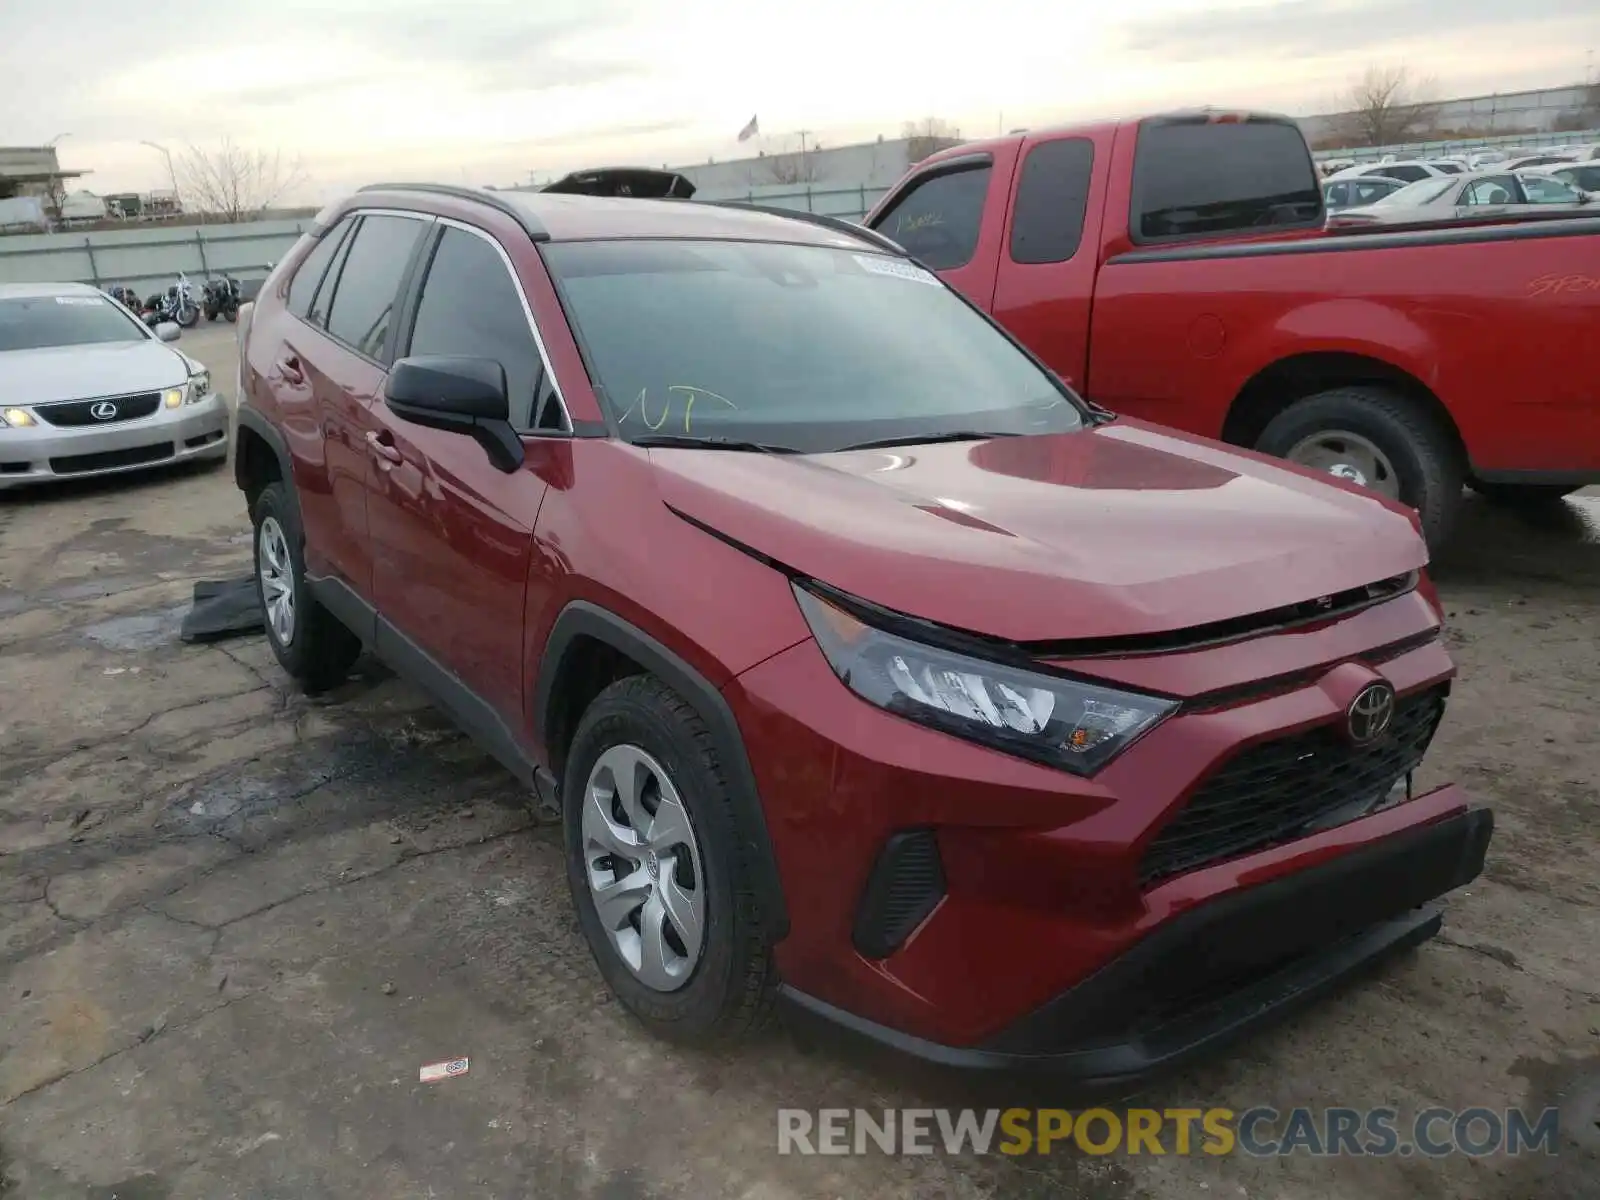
pixel 484 91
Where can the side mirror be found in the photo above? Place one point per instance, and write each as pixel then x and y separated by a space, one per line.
pixel 168 331
pixel 459 395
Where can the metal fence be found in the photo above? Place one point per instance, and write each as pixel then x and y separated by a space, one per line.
pixel 149 258
pixel 1404 150
pixel 831 200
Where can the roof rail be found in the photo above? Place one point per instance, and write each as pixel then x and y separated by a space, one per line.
pixel 530 223
pixel 837 224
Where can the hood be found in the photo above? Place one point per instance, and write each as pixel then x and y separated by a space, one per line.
pixel 1120 530
pixel 78 372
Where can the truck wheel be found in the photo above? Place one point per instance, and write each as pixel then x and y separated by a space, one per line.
pixel 654 861
pixel 308 641
pixel 1522 495
pixel 1378 438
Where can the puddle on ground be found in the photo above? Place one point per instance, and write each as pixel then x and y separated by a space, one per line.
pixel 142 631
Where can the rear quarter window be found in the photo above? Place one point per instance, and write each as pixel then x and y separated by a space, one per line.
pixel 1052 196
pixel 1197 178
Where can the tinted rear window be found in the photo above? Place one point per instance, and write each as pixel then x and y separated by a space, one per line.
pixel 1197 179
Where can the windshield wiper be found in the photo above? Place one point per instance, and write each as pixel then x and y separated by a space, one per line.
pixel 684 441
pixel 927 439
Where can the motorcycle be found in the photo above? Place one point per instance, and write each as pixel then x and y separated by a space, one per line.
pixel 220 298
pixel 177 305
pixel 180 296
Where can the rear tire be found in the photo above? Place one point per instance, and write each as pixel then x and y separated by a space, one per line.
pixel 1426 466
pixel 717 984
pixel 307 640
pixel 1523 495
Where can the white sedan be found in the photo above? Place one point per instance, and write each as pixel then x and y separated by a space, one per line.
pixel 86 388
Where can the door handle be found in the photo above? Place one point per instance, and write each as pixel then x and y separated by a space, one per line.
pixel 382 448
pixel 289 368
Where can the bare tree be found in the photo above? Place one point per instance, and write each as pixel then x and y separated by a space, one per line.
pixel 927 136
pixel 802 166
pixel 1385 107
pixel 234 183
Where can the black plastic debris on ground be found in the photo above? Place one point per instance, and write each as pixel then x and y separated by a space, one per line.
pixel 223 609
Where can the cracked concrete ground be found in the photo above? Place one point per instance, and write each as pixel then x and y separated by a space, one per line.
pixel 234 922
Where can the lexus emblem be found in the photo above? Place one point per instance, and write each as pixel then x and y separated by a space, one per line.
pixel 103 411
pixel 1368 717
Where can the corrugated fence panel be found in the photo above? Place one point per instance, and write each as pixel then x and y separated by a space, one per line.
pixel 149 257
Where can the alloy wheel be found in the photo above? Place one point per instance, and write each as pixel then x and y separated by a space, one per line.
pixel 642 863
pixel 277 580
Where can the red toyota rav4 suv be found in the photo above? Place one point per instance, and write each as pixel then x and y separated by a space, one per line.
pixel 867 663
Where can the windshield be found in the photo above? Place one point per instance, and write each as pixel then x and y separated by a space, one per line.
pixel 795 347
pixel 1424 191
pixel 40 322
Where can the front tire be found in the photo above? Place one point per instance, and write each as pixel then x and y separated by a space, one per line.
pixel 654 860
pixel 1381 439
pixel 307 640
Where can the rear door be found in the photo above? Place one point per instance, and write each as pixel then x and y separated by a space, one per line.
pixel 342 361
pixel 452 535
pixel 1045 284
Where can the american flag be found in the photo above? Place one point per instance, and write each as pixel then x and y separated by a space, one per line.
pixel 749 131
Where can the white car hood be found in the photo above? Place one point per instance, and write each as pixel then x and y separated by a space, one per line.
pixel 79 372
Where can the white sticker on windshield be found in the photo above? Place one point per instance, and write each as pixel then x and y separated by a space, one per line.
pixel 87 300
pixel 878 264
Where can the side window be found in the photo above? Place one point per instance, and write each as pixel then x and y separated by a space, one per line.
pixel 470 306
pixel 938 220
pixel 1547 191
pixel 1497 190
pixel 364 299
pixel 1052 195
pixel 303 287
pixel 1336 193
pixel 318 315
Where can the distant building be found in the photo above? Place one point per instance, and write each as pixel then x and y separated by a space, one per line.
pixel 1543 111
pixel 33 171
pixel 865 164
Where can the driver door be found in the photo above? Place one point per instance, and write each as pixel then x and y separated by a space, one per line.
pixel 452 535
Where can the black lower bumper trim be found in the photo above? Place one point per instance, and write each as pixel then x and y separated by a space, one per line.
pixel 1295 929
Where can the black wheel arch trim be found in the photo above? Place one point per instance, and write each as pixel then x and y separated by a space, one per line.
pixel 580 619
pixel 257 424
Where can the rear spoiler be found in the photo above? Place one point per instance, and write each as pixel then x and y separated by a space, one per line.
pixel 642 183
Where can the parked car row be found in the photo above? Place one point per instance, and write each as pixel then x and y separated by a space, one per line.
pixel 1492 193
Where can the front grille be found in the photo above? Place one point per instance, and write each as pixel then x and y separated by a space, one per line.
pixel 1269 794
pixel 72 413
pixel 77 464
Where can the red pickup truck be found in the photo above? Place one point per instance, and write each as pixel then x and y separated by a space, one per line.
pixel 1179 269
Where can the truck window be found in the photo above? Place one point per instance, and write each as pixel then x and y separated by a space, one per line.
pixel 937 221
pixel 1047 221
pixel 1199 178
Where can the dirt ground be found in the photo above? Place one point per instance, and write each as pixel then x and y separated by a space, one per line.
pixel 235 922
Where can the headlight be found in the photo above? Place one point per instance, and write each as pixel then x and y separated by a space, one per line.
pixel 1067 723
pixel 17 418
pixel 199 386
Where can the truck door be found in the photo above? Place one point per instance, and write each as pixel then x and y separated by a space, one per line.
pixel 1045 284
pixel 950 217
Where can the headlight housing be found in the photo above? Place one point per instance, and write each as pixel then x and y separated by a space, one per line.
pixel 16 418
pixel 1068 723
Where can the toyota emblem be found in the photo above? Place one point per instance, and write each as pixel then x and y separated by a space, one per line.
pixel 103 411
pixel 1368 717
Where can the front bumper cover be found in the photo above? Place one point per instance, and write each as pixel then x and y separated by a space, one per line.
pixel 1227 966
